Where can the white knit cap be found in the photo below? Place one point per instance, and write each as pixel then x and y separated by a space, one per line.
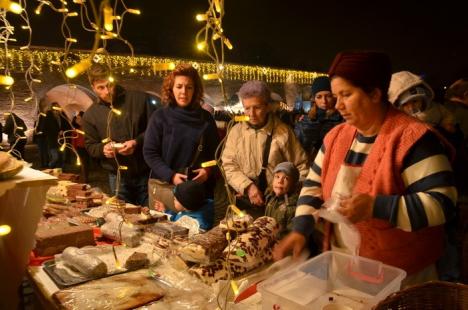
pixel 403 81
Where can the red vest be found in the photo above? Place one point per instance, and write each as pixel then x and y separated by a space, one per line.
pixel 381 174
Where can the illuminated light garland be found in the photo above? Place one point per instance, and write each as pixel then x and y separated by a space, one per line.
pixel 237 210
pixel 5 230
pixel 78 68
pixel 46 60
pixel 6 80
pixel 108 18
pixel 241 118
pixel 164 66
pixel 11 6
pixel 210 163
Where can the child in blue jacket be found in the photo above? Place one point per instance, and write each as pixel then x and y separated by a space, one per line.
pixel 189 199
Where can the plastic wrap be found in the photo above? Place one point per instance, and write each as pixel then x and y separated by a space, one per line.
pixel 349 233
pixel 123 291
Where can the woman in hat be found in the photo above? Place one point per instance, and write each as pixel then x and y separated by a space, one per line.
pixel 322 117
pixel 387 173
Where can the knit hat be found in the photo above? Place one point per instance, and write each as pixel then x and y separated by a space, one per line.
pixel 364 69
pixel 321 83
pixel 290 170
pixel 403 81
pixel 190 194
pixel 414 93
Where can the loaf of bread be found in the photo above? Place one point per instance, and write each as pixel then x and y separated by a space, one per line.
pixel 88 265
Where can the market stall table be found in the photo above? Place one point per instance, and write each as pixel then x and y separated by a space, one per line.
pixel 21 201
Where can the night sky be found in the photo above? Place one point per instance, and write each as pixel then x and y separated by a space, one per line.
pixel 428 39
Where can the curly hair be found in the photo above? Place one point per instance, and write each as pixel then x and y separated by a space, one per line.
pixel 257 89
pixel 168 83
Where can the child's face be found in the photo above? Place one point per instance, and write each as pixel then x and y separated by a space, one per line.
pixel 178 206
pixel 281 183
pixel 413 106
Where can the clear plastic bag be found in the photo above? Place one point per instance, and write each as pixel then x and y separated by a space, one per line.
pixel 349 233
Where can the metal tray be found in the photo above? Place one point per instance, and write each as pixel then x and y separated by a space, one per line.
pixel 54 274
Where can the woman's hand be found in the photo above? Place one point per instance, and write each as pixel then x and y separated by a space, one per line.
pixel 294 241
pixel 159 206
pixel 255 195
pixel 108 150
pixel 178 178
pixel 357 208
pixel 202 175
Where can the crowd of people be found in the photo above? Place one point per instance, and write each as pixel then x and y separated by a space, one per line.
pixel 373 142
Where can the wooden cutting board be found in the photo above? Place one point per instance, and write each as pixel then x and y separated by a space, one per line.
pixel 123 291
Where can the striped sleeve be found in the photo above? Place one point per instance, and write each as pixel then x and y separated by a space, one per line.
pixel 430 194
pixel 310 198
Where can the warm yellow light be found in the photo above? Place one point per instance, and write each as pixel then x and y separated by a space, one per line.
pixel 118 112
pixel 234 287
pixel 78 161
pixel 116 17
pixel 11 6
pixel 6 80
pixel 131 70
pixel 201 45
pixel 20 127
pixel 105 140
pixel 201 17
pixel 106 37
pixel 134 11
pixel 108 18
pixel 25 27
pixel 111 79
pixel 80 131
pixel 163 66
pixel 215 36
pixel 63 10
pixel 6 113
pixel 62 148
pixel 27 99
pixel 73 40
pixel 56 108
pixel 211 76
pixel 5 230
pixel 78 68
pixel 208 163
pixel 42 114
pixel 24 47
pixel 236 210
pixel 241 118
pixel 79 1
pixel 37 81
pixel 123 168
pixel 227 43
pixel 72 14
pixel 39 8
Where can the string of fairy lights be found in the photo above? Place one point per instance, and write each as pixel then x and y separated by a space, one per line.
pixel 48 60
pixel 7 31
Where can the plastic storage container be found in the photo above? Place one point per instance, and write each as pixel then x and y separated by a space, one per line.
pixel 331 280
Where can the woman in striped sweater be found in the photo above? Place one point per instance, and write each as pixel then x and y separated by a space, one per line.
pixel 389 172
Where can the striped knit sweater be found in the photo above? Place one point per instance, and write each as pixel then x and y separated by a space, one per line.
pixel 420 195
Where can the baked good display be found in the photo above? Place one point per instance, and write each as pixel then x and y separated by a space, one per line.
pixel 204 248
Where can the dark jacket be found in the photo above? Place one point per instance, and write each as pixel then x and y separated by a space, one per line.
pixel 172 138
pixel 136 110
pixel 10 130
pixel 52 124
pixel 311 132
pixel 281 210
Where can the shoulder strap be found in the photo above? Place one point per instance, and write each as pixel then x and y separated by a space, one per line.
pixel 200 144
pixel 266 150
